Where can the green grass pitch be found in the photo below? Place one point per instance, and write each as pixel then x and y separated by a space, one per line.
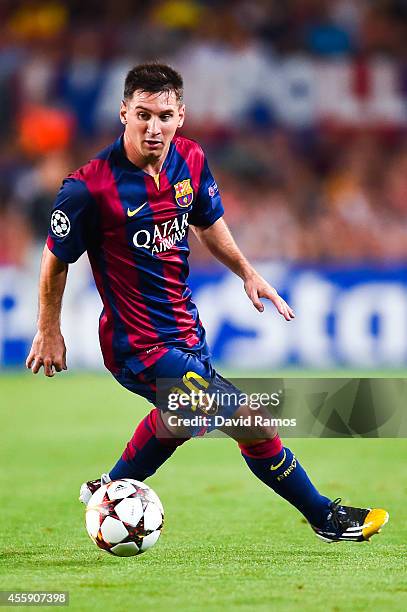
pixel 229 543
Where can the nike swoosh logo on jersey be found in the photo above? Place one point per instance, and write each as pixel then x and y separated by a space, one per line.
pixel 131 213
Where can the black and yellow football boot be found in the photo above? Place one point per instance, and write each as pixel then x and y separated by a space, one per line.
pixel 347 524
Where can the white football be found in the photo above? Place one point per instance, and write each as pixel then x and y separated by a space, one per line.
pixel 124 517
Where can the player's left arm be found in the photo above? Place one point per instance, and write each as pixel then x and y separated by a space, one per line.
pixel 219 241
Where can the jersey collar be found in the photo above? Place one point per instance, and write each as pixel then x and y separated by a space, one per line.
pixel 126 163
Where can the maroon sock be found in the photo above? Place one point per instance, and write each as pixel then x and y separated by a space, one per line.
pixel 150 446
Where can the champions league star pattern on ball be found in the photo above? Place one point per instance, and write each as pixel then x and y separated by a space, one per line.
pixel 135 229
pixel 124 517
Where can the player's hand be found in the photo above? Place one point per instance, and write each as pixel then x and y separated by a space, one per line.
pixel 47 350
pixel 256 287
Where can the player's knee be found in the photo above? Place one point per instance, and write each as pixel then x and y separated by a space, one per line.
pixel 260 449
pixel 253 435
pixel 167 435
pixel 263 432
pixel 258 425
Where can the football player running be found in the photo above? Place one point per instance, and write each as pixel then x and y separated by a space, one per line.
pixel 130 208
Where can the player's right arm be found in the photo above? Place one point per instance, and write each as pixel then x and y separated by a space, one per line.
pixel 48 347
pixel 69 235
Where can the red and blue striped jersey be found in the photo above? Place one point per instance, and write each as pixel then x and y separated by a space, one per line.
pixel 135 230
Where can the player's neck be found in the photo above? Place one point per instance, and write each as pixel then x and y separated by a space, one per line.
pixel 150 165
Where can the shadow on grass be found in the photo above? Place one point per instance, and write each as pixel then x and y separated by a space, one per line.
pixel 43 557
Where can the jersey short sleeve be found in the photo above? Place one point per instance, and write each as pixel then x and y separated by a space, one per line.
pixel 69 232
pixel 208 205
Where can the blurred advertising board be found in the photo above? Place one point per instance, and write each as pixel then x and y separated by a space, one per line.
pixel 346 316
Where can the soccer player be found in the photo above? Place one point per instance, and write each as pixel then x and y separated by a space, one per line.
pixel 130 208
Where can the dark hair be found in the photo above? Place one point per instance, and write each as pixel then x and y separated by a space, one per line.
pixel 153 78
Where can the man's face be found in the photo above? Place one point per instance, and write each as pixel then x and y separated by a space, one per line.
pixel 151 122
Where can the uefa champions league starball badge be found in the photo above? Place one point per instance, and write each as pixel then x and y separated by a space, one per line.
pixel 60 224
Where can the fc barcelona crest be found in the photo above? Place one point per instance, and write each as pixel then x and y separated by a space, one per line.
pixel 184 193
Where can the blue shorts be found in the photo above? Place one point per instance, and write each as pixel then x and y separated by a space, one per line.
pixel 179 370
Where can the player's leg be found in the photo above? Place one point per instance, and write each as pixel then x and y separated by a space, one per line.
pixel 150 445
pixel 261 446
pixel 146 451
pixel 278 467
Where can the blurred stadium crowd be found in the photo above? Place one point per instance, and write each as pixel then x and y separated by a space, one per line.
pixel 300 105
